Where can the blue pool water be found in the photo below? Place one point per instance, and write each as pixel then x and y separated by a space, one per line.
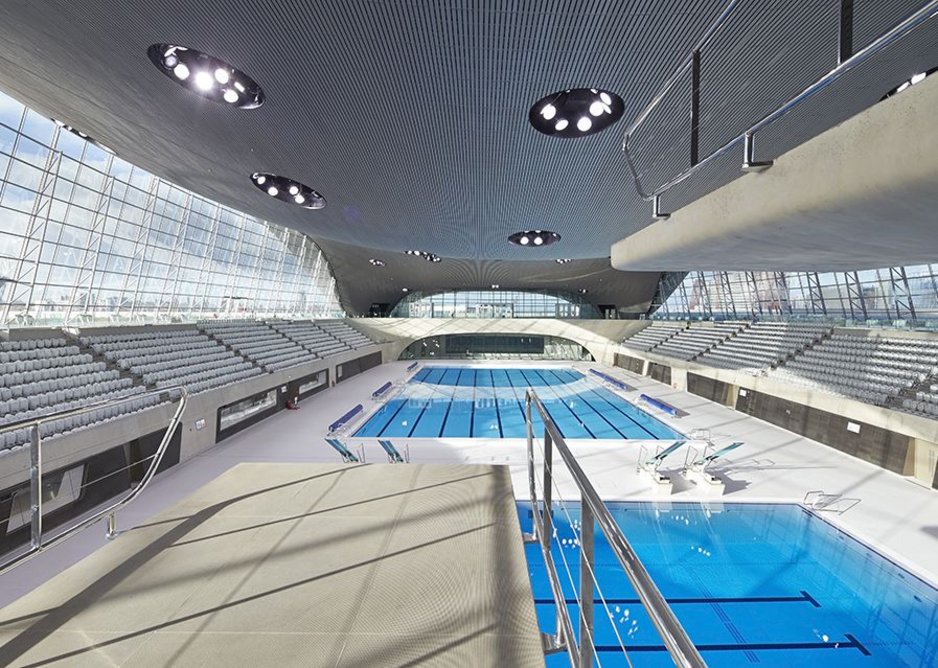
pixel 440 402
pixel 753 584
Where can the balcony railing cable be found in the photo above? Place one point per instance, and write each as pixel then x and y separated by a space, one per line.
pixel 581 648
pixel 847 60
pixel 38 539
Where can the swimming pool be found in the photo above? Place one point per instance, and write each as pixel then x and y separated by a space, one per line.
pixel 754 584
pixel 441 402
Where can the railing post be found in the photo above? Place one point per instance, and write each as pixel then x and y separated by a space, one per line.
pixel 111 526
pixel 845 49
pixel 749 163
pixel 587 560
pixel 35 485
pixel 532 489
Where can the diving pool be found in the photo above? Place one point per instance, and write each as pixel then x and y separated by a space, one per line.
pixel 769 585
pixel 458 402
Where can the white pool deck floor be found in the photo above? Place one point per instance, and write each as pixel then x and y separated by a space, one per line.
pixel 895 515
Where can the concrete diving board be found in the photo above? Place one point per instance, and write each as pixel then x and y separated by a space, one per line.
pixel 299 564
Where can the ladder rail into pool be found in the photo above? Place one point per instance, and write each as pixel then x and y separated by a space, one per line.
pixel 675 638
pixel 38 540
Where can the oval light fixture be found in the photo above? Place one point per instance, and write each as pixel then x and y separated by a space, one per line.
pixel 206 75
pixel 429 257
pixel 375 262
pixel 288 190
pixel 534 238
pixel 576 112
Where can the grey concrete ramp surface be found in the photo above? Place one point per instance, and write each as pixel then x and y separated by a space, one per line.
pixel 299 565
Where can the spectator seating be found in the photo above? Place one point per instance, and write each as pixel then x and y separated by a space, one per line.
pixel 345 333
pixel 874 369
pixel 312 337
pixel 163 357
pixel 764 344
pixel 651 336
pixel 43 376
pixel 698 338
pixel 258 342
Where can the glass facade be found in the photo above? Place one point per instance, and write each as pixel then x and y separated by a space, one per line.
pixel 900 296
pixel 86 237
pixel 494 304
pixel 496 347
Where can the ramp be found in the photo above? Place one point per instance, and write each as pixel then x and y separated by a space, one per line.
pixel 299 564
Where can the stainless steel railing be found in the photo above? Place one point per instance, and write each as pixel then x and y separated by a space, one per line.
pixel 37 539
pixel 847 60
pixel 593 510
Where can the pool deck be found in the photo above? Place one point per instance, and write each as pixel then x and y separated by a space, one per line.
pixel 299 565
pixel 895 515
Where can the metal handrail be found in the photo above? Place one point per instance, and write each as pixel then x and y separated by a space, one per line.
pixel 679 646
pixel 37 544
pixel 897 32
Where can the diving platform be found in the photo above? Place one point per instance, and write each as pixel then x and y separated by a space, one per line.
pixel 299 564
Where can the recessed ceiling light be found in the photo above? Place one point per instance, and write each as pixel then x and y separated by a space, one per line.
pixel 576 112
pixel 288 190
pixel 375 262
pixel 534 237
pixel 495 286
pixel 429 257
pixel 204 81
pixel 563 260
pixel 582 291
pixel 211 75
pixel 405 289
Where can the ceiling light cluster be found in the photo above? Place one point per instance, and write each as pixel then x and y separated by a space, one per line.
pixel 495 286
pixel 288 190
pixel 915 79
pixel 582 291
pixel 79 133
pixel 563 260
pixel 429 257
pixel 375 262
pixel 534 238
pixel 206 76
pixel 576 112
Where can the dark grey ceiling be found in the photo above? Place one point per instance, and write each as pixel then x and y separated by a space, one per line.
pixel 629 291
pixel 411 116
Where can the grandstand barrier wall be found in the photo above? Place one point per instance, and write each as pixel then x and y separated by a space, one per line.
pixel 886 429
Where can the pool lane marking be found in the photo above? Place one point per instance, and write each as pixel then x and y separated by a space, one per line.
pixel 626 415
pixel 851 643
pixel 524 415
pixel 593 408
pixel 558 398
pixel 804 598
pixel 498 413
pixel 582 396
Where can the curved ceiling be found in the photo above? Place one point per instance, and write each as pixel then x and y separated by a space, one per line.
pixel 411 117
